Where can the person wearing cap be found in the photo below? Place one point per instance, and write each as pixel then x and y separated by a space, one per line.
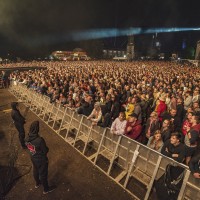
pixel 152 125
pixel 19 122
pixel 38 152
pixel 161 107
pixel 134 128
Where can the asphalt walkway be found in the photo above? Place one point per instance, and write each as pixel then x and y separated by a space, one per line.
pixel 75 177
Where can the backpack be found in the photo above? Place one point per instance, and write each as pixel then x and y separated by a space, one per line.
pixel 169 184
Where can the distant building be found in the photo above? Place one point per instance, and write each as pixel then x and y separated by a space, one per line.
pixel 130 48
pixel 111 53
pixel 70 55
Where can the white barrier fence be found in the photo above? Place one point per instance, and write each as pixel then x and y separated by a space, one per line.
pixel 119 157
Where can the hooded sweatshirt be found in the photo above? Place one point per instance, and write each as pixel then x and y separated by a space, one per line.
pixel 16 115
pixel 36 144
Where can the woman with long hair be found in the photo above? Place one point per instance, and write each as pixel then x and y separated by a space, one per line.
pixel 152 125
pixel 155 141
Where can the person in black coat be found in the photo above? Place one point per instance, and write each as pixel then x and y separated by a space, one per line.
pixel 114 113
pixel 175 121
pixel 165 130
pixel 180 109
pixel 194 166
pixel 38 151
pixel 19 122
pixel 173 148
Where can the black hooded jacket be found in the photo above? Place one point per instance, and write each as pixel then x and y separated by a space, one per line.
pixel 36 144
pixel 16 115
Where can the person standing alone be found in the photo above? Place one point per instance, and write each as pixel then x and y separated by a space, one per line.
pixel 38 151
pixel 19 122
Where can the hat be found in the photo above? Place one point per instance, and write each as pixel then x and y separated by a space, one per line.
pixel 162 97
pixel 134 115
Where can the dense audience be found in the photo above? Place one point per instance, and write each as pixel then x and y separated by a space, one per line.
pixel 155 103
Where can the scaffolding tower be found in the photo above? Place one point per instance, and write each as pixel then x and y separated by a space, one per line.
pixel 130 48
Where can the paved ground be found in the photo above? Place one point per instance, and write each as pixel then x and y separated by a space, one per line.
pixel 75 177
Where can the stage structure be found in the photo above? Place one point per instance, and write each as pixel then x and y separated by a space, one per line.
pixel 130 48
pixel 197 55
pixel 70 55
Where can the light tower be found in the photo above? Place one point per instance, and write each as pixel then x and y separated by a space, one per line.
pixel 130 48
pixel 197 55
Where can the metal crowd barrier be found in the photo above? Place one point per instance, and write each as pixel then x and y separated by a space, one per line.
pixel 119 157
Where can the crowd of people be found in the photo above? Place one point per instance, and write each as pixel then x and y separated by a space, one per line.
pixel 155 103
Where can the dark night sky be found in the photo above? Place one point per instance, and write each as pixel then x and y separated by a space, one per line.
pixel 23 22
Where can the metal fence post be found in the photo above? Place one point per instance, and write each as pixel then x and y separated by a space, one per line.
pixel 186 177
pixel 135 155
pixel 153 178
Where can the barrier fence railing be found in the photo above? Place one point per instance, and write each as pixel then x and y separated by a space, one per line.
pixel 119 157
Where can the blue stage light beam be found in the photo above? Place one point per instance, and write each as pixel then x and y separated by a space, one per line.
pixel 100 34
pixel 106 33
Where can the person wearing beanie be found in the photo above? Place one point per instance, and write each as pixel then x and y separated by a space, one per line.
pixel 133 128
pixel 19 122
pixel 38 152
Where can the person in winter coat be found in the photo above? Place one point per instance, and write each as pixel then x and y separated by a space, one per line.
pixel 175 121
pixel 134 128
pixel 19 122
pixel 173 148
pixel 165 130
pixel 38 152
pixel 194 166
pixel 161 106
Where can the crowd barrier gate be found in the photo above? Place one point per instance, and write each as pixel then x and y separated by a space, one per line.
pixel 134 160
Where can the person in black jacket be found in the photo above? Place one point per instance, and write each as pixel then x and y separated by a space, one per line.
pixel 180 109
pixel 165 130
pixel 113 114
pixel 19 122
pixel 194 166
pixel 175 121
pixel 38 151
pixel 173 148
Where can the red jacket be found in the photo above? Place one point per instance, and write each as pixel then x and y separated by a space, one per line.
pixel 136 131
pixel 186 124
pixel 161 108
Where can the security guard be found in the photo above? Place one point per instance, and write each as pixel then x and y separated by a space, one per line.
pixel 38 151
pixel 19 122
